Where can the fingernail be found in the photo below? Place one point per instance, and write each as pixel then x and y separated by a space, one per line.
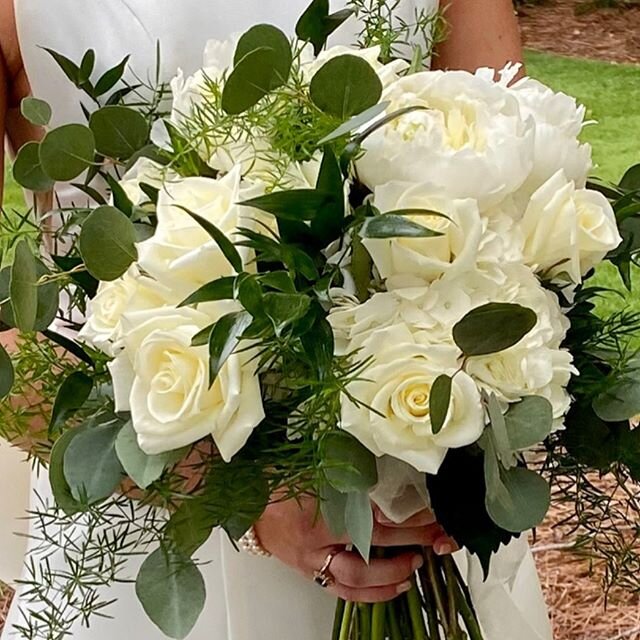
pixel 418 561
pixel 404 587
pixel 443 548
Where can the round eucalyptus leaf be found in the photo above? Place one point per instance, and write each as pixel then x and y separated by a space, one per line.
pixel 72 394
pixel 67 151
pixel 91 466
pixel 348 465
pixel 172 592
pixel 345 86
pixel 36 111
pixel 23 288
pixel 107 243
pixel 492 328
pixel 528 422
pixel 27 170
pixel 60 487
pixel 267 37
pixel 621 401
pixel 119 131
pixel 7 373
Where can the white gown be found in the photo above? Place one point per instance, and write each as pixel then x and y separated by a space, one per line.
pixel 247 598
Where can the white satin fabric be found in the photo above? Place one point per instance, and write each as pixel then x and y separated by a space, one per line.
pixel 247 598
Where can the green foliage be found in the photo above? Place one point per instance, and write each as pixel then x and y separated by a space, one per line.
pixel 224 339
pixel 72 395
pixel 36 111
pixel 358 520
pixel 316 24
pixel 348 466
pixel 390 225
pixel 23 288
pixel 172 592
pixel 7 373
pixel 528 422
pixel 64 498
pixel 439 402
pixel 28 171
pixel 67 151
pixel 119 131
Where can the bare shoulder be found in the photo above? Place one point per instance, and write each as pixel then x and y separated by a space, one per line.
pixel 10 53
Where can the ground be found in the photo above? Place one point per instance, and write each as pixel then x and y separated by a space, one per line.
pixel 612 94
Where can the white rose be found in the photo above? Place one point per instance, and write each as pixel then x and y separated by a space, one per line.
pixel 470 139
pixel 392 414
pixel 428 258
pixel 181 255
pixel 131 292
pixel 145 171
pixel 559 121
pixel 568 230
pixel 164 382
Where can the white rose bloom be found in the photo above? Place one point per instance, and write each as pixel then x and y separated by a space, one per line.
pixel 470 139
pixel 568 230
pixel 181 255
pixel 559 121
pixel 131 292
pixel 164 382
pixel 387 73
pixel 145 171
pixel 393 417
pixel 428 258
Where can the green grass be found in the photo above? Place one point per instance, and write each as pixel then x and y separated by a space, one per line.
pixel 611 93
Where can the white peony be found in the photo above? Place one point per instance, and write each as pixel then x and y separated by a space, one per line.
pixel 131 292
pixel 392 417
pixel 469 138
pixel 568 230
pixel 428 258
pixel 164 382
pixel 181 254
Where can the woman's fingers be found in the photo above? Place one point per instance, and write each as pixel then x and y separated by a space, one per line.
pixel 372 595
pixel 422 519
pixel 444 545
pixel 350 570
pixel 406 536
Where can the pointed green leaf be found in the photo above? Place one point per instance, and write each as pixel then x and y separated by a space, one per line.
pixel 67 151
pixel 36 111
pixel 223 340
pixel 23 287
pixel 69 68
pixel 359 522
pixel 72 395
pixel 492 328
pixel 333 506
pixel 111 77
pixel 316 25
pixel 439 402
pixel 59 486
pixel 393 226
pixel 631 179
pixel 355 122
pixel 285 308
pixel 172 592
pixel 7 373
pixel 220 289
pixel 296 204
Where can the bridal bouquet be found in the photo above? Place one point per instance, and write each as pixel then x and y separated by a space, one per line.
pixel 327 272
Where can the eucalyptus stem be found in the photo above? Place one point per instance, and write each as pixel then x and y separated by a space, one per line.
pixel 345 629
pixel 468 615
pixel 379 614
pixel 452 594
pixel 337 621
pixel 435 578
pixel 415 613
pixel 429 604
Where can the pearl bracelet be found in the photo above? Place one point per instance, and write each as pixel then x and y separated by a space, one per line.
pixel 250 543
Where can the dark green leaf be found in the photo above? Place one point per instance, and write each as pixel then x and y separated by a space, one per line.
pixel 48 299
pixel 348 465
pixel 191 524
pixel 202 337
pixel 631 179
pixel 223 340
pixel 220 289
pixel 345 86
pixel 316 25
pixel 67 151
pixel 27 170
pixel 361 267
pixel 359 522
pixel 23 287
pixel 492 328
pixel 36 111
pixel 110 78
pixel 296 204
pixel 119 131
pixel 83 279
pixel 7 374
pixel 621 401
pixel 500 436
pixel 439 402
pixel 249 293
pixel 70 69
pixel 72 395
pixel 91 466
pixel 69 345
pixel 226 246
pixel 267 37
pixel 395 226
pixel 89 191
pixel 87 65
pixel 333 506
pixel 172 592
pixel 529 422
pixel 119 197
pixel 355 122
pixel 61 491
pixel 107 243
pixel 285 308
pixel 327 225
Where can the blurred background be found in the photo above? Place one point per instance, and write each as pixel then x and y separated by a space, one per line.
pixel 591 50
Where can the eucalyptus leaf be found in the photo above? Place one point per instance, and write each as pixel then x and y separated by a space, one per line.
pixel 359 522
pixel 223 340
pixel 67 151
pixel 345 86
pixel 91 466
pixel 439 402
pixel 499 429
pixel 27 170
pixel 72 394
pixel 347 464
pixel 172 592
pixel 355 122
pixel 333 506
pixel 621 400
pixel 492 328
pixel 295 204
pixel 23 288
pixel 395 226
pixel 142 468
pixel 191 525
pixel 36 111
pixel 7 373
pixel 59 486
pixel 119 131
pixel 266 36
pixel 529 422
pixel 107 243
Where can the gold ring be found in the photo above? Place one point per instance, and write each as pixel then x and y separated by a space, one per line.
pixel 324 578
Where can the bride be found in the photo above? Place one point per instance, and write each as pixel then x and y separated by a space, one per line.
pixel 248 597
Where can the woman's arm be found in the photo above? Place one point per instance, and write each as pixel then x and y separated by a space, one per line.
pixel 482 33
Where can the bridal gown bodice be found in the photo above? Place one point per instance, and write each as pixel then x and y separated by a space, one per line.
pixel 247 598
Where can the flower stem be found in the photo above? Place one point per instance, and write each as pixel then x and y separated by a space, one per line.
pixel 452 593
pixel 468 615
pixel 345 629
pixel 392 618
pixel 415 613
pixel 365 621
pixel 378 621
pixel 429 604
pixel 438 589
pixel 337 621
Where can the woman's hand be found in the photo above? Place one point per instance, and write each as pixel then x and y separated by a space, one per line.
pixel 295 535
